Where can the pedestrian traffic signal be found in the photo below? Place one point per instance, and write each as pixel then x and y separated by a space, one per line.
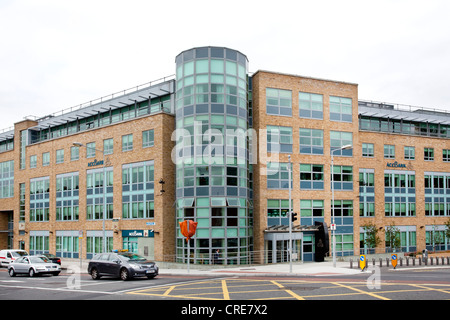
pixel 293 216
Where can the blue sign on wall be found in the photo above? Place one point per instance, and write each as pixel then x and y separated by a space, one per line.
pixel 138 233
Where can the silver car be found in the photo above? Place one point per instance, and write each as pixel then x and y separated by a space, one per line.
pixel 33 265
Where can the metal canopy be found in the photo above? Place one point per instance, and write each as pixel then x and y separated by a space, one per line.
pixel 284 228
pixel 126 99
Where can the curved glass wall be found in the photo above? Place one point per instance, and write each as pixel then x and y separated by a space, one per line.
pixel 212 155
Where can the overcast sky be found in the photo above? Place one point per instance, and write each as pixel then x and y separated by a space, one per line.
pixel 56 54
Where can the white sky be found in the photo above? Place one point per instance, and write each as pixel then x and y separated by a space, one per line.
pixel 56 54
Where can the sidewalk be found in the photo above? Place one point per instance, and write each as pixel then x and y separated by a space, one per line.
pixel 281 269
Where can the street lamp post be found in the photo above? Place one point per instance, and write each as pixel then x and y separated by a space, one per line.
pixel 78 144
pixel 333 229
pixel 290 216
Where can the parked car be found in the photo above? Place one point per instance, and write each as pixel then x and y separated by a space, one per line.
pixel 8 255
pixel 125 265
pixel 33 265
pixel 52 258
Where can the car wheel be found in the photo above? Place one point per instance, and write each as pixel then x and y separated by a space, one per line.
pixel 94 274
pixel 31 272
pixel 12 273
pixel 124 275
pixel 56 273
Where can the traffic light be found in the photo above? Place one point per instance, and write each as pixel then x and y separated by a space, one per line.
pixel 293 216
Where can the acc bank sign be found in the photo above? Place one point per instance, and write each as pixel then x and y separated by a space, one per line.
pixel 138 233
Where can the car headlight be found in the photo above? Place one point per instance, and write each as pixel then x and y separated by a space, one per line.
pixel 135 266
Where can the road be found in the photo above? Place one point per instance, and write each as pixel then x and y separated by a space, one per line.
pixel 224 291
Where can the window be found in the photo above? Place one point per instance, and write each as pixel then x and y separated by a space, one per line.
pixel 39 199
pixel 340 109
pixel 428 154
pixel 277 211
pixel 367 150
pixel 127 142
pixel 446 155
pixel 389 151
pixel 277 175
pixel 343 177
pixel 311 176
pixel 33 161
pixel 399 194
pixel 410 153
pixel 46 159
pixel 67 192
pixel 311 141
pixel 279 139
pixel 74 153
pixel 339 139
pixel 138 190
pixel 278 102
pixel 366 192
pixel 60 156
pixel 148 138
pixel 90 150
pixel 108 146
pixel 343 208
pixel 7 179
pixel 311 208
pixel 96 183
pixel 310 105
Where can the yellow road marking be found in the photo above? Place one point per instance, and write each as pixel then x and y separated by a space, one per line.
pixel 361 291
pixel 296 296
pixel 168 291
pixel 226 294
pixel 432 289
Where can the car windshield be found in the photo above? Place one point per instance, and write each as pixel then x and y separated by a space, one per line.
pixel 129 256
pixel 37 260
pixel 18 253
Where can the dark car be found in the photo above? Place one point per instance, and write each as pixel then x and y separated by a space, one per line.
pixel 52 258
pixel 125 265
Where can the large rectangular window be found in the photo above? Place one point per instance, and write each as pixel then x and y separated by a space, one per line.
pixel 277 211
pixel 279 139
pixel 338 139
pixel 310 105
pixel 311 176
pixel 279 102
pixel 343 178
pixel 67 201
pixel 311 141
pixel 96 184
pixel 340 109
pixel 138 188
pixel 278 175
pixel 399 193
pixel 7 179
pixel 39 199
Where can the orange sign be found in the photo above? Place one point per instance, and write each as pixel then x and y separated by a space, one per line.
pixel 188 228
pixel 394 260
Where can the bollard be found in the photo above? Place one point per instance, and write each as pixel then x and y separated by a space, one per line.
pixel 407 261
pixel 381 262
pixel 387 262
pixel 437 261
pixel 351 263
pixel 420 261
pixel 401 262
pixel 373 262
pixel 431 261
